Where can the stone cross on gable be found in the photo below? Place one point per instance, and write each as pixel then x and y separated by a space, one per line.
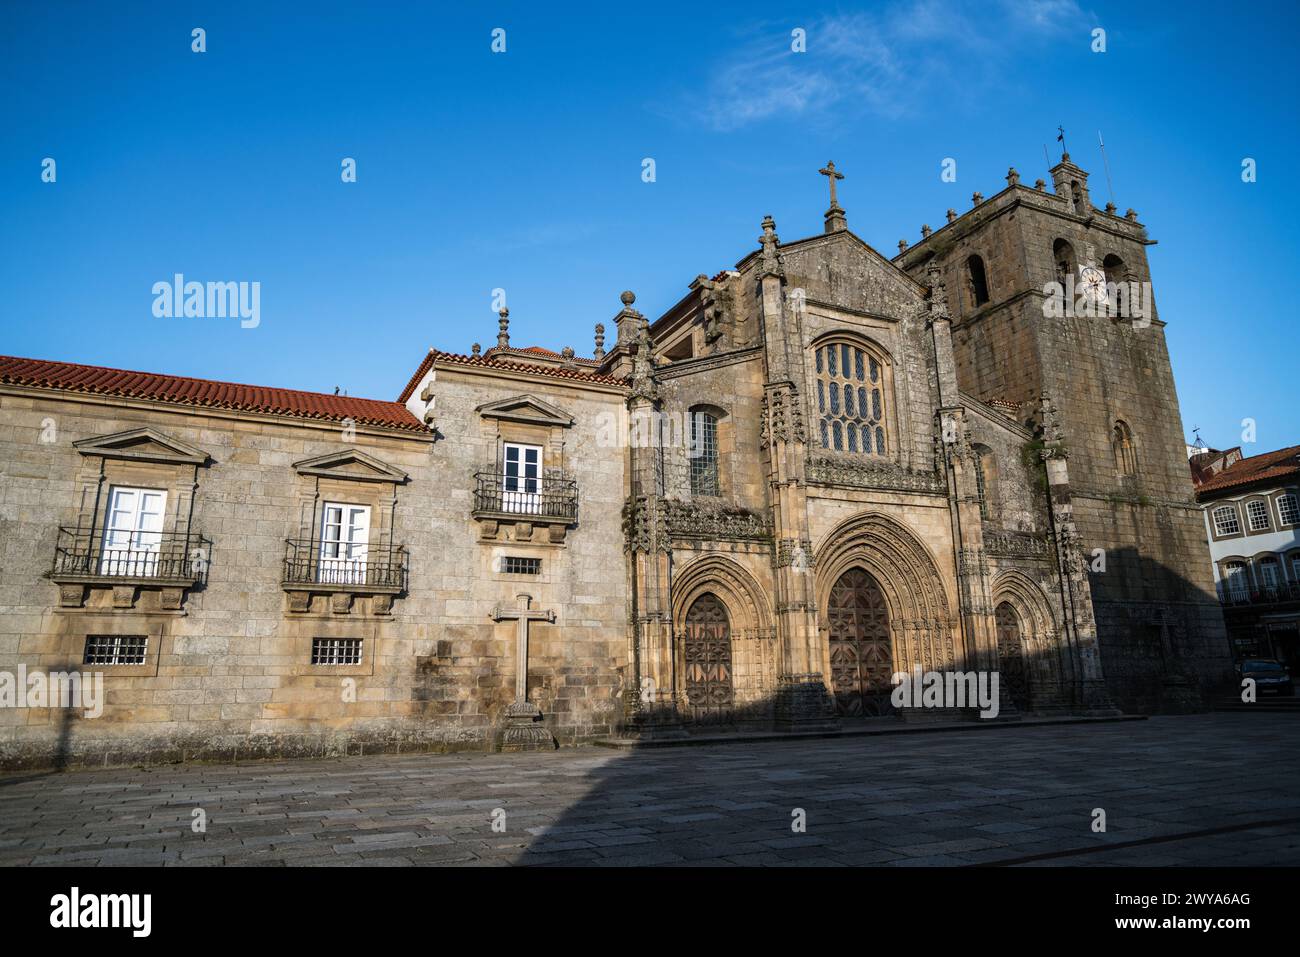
pixel 835 221
pixel 830 172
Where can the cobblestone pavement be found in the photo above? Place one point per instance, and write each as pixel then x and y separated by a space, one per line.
pixel 1207 789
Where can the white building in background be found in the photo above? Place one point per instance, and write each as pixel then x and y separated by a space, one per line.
pixel 1252 522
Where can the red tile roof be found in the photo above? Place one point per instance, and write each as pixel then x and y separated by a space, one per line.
pixel 204 393
pixel 539 351
pixel 505 365
pixel 1282 465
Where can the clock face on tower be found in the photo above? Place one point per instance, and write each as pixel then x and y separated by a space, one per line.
pixel 1093 281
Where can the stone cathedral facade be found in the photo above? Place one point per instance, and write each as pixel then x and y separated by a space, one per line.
pixel 819 468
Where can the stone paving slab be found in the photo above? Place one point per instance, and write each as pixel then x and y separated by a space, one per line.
pixel 1169 788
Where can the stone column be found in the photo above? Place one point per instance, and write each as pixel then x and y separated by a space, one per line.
pixel 803 702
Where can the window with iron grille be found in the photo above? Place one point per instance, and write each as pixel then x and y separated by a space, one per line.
pixel 1287 510
pixel 336 651
pixel 515 565
pixel 704 453
pixel 1225 521
pixel 115 649
pixel 1257 513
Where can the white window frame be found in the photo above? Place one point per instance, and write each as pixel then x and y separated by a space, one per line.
pixel 132 532
pixel 1236 578
pixel 1257 509
pixel 1219 524
pixel 1294 509
pixel 521 478
pixel 344 543
pixel 1265 566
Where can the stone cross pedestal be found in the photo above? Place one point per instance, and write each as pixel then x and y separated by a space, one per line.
pixel 523 730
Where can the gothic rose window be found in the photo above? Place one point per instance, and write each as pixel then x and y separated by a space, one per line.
pixel 850 399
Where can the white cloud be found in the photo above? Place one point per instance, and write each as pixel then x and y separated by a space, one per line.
pixel 884 62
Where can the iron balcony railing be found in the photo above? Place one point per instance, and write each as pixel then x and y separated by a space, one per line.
pixel 1267 595
pixel 381 567
pixel 551 497
pixel 85 554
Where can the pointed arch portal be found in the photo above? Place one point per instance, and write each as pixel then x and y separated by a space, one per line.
pixel 710 692
pixel 861 645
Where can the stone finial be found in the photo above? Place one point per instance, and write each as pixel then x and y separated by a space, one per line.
pixel 1040 184
pixel 600 341
pixel 835 221
pixel 926 231
pixel 1131 215
pixel 938 304
pixel 567 354
pixel 1013 178
pixel 475 349
pixel 627 319
pixel 976 198
pixel 503 334
pixel 951 214
pixel 770 259
pixel 902 245
pixel 1110 209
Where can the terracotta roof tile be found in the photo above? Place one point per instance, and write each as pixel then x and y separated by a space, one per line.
pixel 505 365
pixel 1270 466
pixel 205 393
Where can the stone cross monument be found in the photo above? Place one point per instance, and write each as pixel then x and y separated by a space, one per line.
pixel 523 729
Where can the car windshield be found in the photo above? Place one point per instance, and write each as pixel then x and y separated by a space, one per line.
pixel 1261 666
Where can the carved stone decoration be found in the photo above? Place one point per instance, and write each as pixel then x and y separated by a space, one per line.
pixel 381 605
pixel 770 262
pixel 299 601
pixel 867 472
pixel 1007 543
pixel 71 595
pixel 124 596
pixel 170 598
pixel 524 730
pixel 341 602
pixel 643 384
pixel 712 521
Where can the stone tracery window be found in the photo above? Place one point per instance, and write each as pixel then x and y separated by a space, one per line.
pixel 850 399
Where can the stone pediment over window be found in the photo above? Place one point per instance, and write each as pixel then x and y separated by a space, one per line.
pixel 526 408
pixel 351 464
pixel 142 445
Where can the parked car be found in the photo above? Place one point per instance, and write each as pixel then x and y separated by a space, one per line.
pixel 1271 676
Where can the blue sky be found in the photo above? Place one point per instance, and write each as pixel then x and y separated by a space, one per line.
pixel 522 170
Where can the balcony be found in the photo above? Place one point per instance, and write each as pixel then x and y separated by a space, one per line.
pixel 381 574
pixel 1232 597
pixel 168 562
pixel 550 502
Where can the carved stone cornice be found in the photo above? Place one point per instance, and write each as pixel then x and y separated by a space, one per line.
pixel 1007 543
pixel 870 472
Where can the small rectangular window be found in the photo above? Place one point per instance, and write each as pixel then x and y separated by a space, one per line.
pixel 336 651
pixel 1287 510
pixel 1257 513
pixel 115 649
pixel 1225 521
pixel 515 565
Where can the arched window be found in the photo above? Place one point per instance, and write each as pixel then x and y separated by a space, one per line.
pixel 1064 258
pixel 979 283
pixel 1125 454
pixel 703 453
pixel 1076 194
pixel 1114 269
pixel 850 399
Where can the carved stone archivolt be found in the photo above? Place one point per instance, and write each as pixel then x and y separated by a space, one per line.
pixel 921 611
